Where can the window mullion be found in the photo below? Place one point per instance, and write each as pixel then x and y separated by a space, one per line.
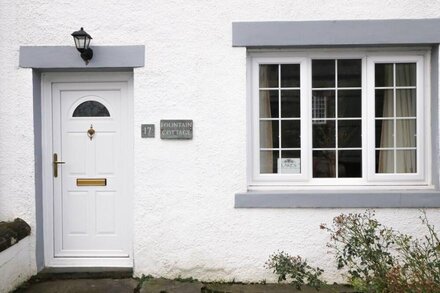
pixel 309 115
pixel 336 121
pixel 279 112
pixel 394 119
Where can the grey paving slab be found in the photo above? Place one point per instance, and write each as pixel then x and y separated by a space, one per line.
pixel 268 288
pixel 82 286
pixel 256 288
pixel 170 286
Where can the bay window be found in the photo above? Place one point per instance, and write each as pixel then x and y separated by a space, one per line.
pixel 340 118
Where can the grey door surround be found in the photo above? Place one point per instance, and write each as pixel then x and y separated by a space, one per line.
pixel 67 57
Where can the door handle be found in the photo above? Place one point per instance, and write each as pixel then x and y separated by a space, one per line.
pixel 55 164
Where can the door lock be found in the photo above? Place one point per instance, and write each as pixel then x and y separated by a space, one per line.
pixel 55 164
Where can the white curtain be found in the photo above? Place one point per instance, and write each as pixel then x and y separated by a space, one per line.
pixel 405 128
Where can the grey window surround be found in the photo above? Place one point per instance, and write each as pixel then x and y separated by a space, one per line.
pixel 347 34
pixel 67 57
pixel 336 32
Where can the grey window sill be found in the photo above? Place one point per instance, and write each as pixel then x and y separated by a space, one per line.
pixel 339 199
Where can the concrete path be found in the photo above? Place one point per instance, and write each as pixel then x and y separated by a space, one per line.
pixel 170 286
pixel 160 285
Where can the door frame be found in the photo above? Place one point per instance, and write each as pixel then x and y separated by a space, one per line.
pixel 47 81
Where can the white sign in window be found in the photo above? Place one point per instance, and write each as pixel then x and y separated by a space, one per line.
pixel 289 165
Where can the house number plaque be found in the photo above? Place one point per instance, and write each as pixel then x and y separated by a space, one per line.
pixel 147 130
pixel 176 129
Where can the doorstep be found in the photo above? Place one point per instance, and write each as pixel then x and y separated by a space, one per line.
pixel 80 286
pixel 84 273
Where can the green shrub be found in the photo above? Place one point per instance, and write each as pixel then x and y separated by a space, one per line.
pixel 380 259
pixel 295 270
pixel 418 267
pixel 375 258
pixel 362 246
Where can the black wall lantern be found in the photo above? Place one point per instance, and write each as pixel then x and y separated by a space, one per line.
pixel 82 43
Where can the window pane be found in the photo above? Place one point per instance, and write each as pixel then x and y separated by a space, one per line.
pixel 323 104
pixel 324 135
pixel 268 161
pixel 350 164
pixel 406 103
pixel 383 74
pixel 291 154
pixel 268 75
pixel 268 104
pixel 384 161
pixel 405 74
pixel 290 134
pixel 290 162
pixel 406 133
pixel 349 133
pixel 269 134
pixel 406 161
pixel 91 109
pixel 290 75
pixel 349 103
pixel 384 103
pixel 324 164
pixel 290 103
pixel 384 133
pixel 323 73
pixel 349 73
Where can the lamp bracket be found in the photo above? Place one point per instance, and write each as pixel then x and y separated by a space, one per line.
pixel 87 55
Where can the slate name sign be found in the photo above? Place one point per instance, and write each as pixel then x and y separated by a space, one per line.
pixel 176 129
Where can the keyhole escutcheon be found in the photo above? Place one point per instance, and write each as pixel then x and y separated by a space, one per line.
pixel 91 132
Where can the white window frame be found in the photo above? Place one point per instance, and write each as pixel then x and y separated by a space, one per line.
pixel 421 179
pixel 255 110
pixel 422 125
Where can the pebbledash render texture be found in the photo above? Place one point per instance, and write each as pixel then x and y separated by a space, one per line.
pixel 185 218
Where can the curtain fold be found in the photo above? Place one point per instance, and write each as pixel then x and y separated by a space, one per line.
pixel 386 158
pixel 266 139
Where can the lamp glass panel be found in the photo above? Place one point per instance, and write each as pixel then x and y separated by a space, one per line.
pixel 80 42
pixel 76 42
pixel 87 43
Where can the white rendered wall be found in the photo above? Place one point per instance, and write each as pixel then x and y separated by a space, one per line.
pixel 184 219
pixel 17 180
pixel 15 265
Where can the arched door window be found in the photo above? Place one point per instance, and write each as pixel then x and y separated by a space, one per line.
pixel 91 109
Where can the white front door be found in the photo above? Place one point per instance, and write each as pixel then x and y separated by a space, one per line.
pixel 90 162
